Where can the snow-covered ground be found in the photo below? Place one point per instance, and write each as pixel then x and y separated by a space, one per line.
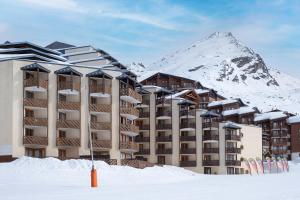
pixel 30 179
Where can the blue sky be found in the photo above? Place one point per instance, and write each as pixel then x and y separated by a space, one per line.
pixel 145 30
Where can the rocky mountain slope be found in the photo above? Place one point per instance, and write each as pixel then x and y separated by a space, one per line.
pixel 222 62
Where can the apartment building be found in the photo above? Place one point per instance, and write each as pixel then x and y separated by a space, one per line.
pixel 174 131
pixel 294 128
pixel 48 102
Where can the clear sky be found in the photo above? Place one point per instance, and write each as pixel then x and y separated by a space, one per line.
pixel 146 30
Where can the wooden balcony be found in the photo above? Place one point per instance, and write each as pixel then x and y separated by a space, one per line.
pixel 131 93
pixel 140 164
pixel 210 162
pixel 106 108
pixel 188 163
pixel 210 150
pixel 67 142
pixel 185 125
pixel 32 121
pixel 100 88
pixel 187 138
pixel 143 152
pixel 210 136
pixel 35 140
pixel 129 146
pixel 233 150
pixel 129 128
pixel 279 151
pixel 233 137
pixel 101 125
pixel 129 111
pixel 164 138
pixel 164 113
pixel 101 144
pixel 38 103
pixel 61 105
pixel 280 143
pixel 187 112
pixel 233 163
pixel 68 85
pixel 188 151
pixel 141 139
pixel 163 126
pixel 74 124
pixel 144 114
pixel 210 125
pixel 164 151
pixel 283 134
pixel 34 82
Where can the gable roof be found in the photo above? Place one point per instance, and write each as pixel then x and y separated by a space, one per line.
pixel 35 67
pixel 240 111
pixel 68 71
pixel 98 73
pixel 58 45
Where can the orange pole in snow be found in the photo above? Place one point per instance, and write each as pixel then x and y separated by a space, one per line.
pixel 94 178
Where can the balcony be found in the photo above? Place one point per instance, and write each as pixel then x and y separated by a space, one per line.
pixel 280 143
pixel 187 138
pixel 279 135
pixel 210 150
pixel 164 151
pixel 36 83
pixel 164 138
pixel 187 125
pixel 101 144
pixel 143 152
pixel 101 125
pixel 210 136
pixel 188 151
pixel 188 163
pixel 100 88
pixel 72 124
pixel 68 85
pixel 129 146
pixel 67 142
pixel 141 139
pixel 233 137
pixel 210 163
pixel 233 150
pixel 164 113
pixel 38 103
pixel 187 112
pixel 210 125
pixel 279 151
pixel 265 143
pixel 129 112
pixel 100 108
pixel 144 127
pixel 130 95
pixel 163 101
pixel 233 163
pixel 129 129
pixel 144 114
pixel 61 105
pixel 163 126
pixel 35 140
pixel 32 121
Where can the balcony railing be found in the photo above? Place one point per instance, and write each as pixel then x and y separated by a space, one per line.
pixel 164 113
pixel 35 140
pixel 164 138
pixel 210 163
pixel 163 126
pixel 233 150
pixel 140 164
pixel 282 134
pixel 35 82
pixel 164 151
pixel 131 146
pixel 141 139
pixel 210 124
pixel 101 125
pixel 100 108
pixel 233 163
pixel 100 88
pixel 187 125
pixel 101 144
pixel 187 138
pixel 210 150
pixel 143 152
pixel 129 128
pixel 187 112
pixel 233 137
pixel 129 111
pixel 188 163
pixel 188 151
pixel 280 143
pixel 68 85
pixel 75 124
pixel 163 101
pixel 68 105
pixel 130 92
pixel 210 136
pixel 40 103
pixel 144 114
pixel 67 142
pixel 279 151
pixel 32 121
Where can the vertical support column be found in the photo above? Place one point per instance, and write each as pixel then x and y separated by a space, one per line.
pixel 199 145
pixel 152 122
pixel 175 133
pixel 222 150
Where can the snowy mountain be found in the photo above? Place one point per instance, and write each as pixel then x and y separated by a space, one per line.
pixel 222 62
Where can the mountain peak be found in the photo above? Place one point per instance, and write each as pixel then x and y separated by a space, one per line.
pixel 221 35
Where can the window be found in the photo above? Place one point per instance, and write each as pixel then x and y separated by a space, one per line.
pixel 230 170
pixel 29 113
pixel 62 98
pixel 93 100
pixel 28 132
pixel 29 95
pixel 161 160
pixel 93 118
pixel 62 134
pixel 62 116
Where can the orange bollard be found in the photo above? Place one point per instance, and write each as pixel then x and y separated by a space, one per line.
pixel 94 178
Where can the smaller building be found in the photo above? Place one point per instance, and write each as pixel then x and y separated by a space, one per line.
pixel 294 127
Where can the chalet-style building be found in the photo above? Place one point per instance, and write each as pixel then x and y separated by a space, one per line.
pixel 294 128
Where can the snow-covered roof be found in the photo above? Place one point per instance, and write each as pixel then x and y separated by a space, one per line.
pixel 239 111
pixel 177 95
pixel 86 60
pixel 294 119
pixel 202 91
pixel 269 116
pixel 231 125
pixel 223 102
